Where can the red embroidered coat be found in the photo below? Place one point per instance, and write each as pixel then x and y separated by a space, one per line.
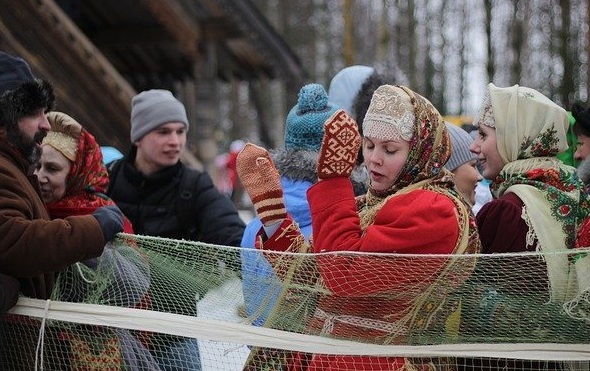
pixel 419 222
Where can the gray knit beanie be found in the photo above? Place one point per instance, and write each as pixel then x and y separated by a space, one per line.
pixel 460 142
pixel 153 108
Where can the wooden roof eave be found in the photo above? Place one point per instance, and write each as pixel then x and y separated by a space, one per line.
pixel 182 28
pixel 267 41
pixel 87 85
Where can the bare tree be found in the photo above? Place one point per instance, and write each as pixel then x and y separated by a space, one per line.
pixel 383 35
pixel 433 56
pixel 567 87
pixel 490 53
pixel 348 33
pixel 462 59
pixel 517 37
pixel 411 43
pixel 430 46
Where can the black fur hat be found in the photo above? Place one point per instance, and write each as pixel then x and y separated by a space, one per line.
pixel 25 100
pixel 21 94
pixel 582 116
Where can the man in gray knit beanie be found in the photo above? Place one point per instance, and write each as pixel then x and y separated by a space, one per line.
pixel 152 108
pixel 163 197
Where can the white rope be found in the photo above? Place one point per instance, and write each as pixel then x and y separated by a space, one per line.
pixel 41 339
pixel 81 272
pixel 237 333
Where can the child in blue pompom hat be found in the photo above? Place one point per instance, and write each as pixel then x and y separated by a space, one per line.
pixel 305 122
pixel 297 165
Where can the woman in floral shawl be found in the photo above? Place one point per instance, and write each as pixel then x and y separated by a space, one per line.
pixel 73 179
pixel 539 206
pixel 411 207
pixel 539 202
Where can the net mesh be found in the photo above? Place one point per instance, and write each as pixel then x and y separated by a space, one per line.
pixel 160 304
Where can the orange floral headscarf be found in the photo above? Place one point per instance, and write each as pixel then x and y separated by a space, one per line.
pixel 88 178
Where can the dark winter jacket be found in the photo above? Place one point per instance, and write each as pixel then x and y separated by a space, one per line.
pixel 584 173
pixel 9 288
pixel 152 204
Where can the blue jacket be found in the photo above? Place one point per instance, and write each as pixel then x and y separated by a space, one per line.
pixel 260 285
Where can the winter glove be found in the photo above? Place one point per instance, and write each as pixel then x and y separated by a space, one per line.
pixel 9 288
pixel 262 182
pixel 340 146
pixel 110 219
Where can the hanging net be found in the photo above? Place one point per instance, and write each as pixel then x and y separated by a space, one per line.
pixel 161 304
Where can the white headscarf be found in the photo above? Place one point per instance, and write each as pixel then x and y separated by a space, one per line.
pixel 346 84
pixel 523 118
pixel 530 131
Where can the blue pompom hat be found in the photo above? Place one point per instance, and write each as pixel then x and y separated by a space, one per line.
pixel 305 121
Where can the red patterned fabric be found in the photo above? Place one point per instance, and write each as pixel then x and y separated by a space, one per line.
pixel 86 183
pixel 340 146
pixel 389 300
pixel 85 186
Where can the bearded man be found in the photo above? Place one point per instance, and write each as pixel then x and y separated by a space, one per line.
pixel 33 248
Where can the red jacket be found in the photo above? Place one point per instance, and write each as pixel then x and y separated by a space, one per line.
pixel 368 294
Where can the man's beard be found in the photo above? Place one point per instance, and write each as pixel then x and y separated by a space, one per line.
pixel 28 147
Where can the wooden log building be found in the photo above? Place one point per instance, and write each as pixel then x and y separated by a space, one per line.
pixel 99 53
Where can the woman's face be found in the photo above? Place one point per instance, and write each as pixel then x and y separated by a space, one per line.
pixel 52 171
pixel 384 160
pixel 466 178
pixel 486 149
pixel 582 147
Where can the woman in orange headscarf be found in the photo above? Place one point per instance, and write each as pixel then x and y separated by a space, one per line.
pixel 73 179
pixel 71 173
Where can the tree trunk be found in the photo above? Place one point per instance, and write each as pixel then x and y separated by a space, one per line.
pixel 488 30
pixel 567 88
pixel 348 33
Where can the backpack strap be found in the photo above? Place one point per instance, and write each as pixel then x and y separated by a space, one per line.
pixel 185 202
pixel 113 168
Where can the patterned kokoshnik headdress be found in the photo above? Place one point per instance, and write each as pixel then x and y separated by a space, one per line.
pixel 397 112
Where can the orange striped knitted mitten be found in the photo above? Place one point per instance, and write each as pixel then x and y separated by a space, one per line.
pixel 262 182
pixel 340 146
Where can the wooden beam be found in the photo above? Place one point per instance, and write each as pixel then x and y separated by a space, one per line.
pixel 219 30
pixel 183 29
pixel 86 85
pixel 79 43
pixel 124 36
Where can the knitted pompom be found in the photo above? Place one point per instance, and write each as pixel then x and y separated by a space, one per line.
pixel 304 127
pixel 312 97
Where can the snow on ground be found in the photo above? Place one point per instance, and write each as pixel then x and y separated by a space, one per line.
pixel 222 303
pixel 246 215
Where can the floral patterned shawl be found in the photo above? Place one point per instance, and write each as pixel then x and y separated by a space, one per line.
pixel 88 177
pixel 430 148
pixel 530 131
